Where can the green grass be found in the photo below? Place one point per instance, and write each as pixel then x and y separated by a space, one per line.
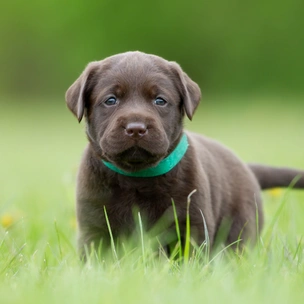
pixel 41 144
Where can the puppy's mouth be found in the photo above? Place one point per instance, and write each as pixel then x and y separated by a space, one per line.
pixel 135 159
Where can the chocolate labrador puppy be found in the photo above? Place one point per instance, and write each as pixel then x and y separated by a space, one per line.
pixel 139 156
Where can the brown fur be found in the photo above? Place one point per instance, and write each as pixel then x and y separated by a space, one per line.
pixel 136 133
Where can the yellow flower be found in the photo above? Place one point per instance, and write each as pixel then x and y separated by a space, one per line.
pixel 276 192
pixel 6 220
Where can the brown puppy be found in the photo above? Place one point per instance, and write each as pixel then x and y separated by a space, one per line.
pixel 137 156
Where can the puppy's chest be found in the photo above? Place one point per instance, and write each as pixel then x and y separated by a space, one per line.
pixel 147 201
pixel 123 203
pixel 151 197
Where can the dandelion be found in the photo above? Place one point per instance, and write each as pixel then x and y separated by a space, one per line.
pixel 276 192
pixel 6 220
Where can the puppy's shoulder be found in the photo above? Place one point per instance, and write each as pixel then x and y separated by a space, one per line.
pixel 211 151
pixel 220 163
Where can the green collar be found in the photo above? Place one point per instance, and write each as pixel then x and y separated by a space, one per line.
pixel 164 166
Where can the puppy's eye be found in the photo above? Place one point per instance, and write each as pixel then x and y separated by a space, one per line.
pixel 160 101
pixel 111 101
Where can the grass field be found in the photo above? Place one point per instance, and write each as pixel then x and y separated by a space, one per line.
pixel 41 144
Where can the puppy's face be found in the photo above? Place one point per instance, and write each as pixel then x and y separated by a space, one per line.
pixel 134 104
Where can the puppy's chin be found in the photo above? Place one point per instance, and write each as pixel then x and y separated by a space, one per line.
pixel 135 159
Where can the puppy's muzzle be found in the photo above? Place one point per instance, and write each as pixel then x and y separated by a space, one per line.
pixel 136 130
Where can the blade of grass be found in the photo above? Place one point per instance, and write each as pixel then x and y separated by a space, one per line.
pixel 281 206
pixel 257 225
pixel 58 239
pixel 111 235
pixel 187 239
pixel 207 239
pixel 12 259
pixel 222 250
pixel 66 240
pixel 298 252
pixel 142 239
pixel 2 242
pixel 180 253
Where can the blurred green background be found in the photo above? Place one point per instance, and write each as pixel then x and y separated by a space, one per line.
pixel 246 56
pixel 226 46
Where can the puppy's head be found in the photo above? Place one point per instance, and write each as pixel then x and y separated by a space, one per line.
pixel 134 104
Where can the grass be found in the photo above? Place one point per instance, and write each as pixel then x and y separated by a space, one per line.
pixel 40 151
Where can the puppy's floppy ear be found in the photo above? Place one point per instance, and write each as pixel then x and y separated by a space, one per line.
pixel 76 94
pixel 189 90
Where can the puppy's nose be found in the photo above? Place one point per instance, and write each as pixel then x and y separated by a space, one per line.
pixel 136 129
